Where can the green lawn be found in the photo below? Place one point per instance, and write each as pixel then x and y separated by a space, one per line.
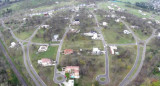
pixel 24 35
pixel 46 73
pixel 121 64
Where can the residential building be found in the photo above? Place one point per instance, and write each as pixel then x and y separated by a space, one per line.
pixel 46 62
pixel 113 48
pixel 43 48
pixel 13 44
pixel 96 51
pixel 76 22
pixel 55 37
pixel 126 32
pixel 68 51
pixel 159 68
pixel 149 22
pixel 44 26
pixel 105 24
pixel 72 70
pixel 117 20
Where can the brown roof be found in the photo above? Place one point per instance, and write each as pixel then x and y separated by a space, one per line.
pixel 68 51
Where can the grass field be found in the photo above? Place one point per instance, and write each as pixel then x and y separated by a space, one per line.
pixel 46 73
pixel 121 64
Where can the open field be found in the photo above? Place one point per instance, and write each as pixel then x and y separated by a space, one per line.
pixel 121 64
pixel 46 73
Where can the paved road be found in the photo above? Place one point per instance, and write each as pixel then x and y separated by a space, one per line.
pixel 127 79
pixel 20 78
pixel 121 44
pixel 58 56
pixel 106 57
pixel 26 65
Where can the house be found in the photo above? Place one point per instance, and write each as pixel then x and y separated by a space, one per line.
pixel 44 26
pixel 113 48
pixel 89 33
pixel 69 83
pixel 110 8
pixel 157 22
pixel 117 20
pixel 159 35
pixel 24 19
pixel 96 36
pixel 13 44
pixel 74 31
pixel 90 16
pixel 76 22
pixel 126 32
pixel 159 68
pixel 140 11
pixel 123 17
pixel 55 37
pixel 68 51
pixel 42 48
pixel 72 70
pixel 93 35
pixel 113 16
pixel 105 24
pixel 96 51
pixel 46 62
pixel 134 27
pixel 149 22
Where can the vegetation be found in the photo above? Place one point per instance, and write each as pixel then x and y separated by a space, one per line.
pixel 7 76
pixel 46 73
pixel 149 74
pixel 121 64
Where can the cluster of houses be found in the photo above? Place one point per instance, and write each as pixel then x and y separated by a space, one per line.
pixel 142 13
pixel 45 61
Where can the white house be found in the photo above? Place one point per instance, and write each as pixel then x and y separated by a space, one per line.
pixel 44 26
pixel 113 48
pixel 89 33
pixel 117 20
pixel 149 22
pixel 157 21
pixel 43 48
pixel 55 37
pixel 134 27
pixel 159 34
pixel 96 51
pixel 75 22
pixel 159 68
pixel 144 18
pixel 13 44
pixel 113 16
pixel 123 17
pixel 93 35
pixel 126 32
pixel 105 24
pixel 90 16
pixel 46 62
pixel 110 8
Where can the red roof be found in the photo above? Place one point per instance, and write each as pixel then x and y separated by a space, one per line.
pixel 46 60
pixel 68 51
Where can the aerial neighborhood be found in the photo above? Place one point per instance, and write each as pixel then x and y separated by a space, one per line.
pixel 80 43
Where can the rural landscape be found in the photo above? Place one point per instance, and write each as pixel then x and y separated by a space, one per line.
pixel 79 42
